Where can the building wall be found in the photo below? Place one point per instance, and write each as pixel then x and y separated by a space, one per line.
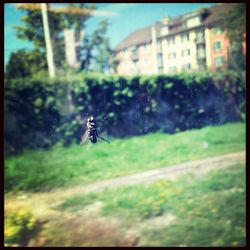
pixel 143 63
pixel 208 47
pixel 124 58
pixel 205 48
pixel 218 51
pixel 145 58
pixel 154 61
pixel 165 52
pixel 180 53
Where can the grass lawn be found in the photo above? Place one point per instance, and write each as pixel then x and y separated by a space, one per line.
pixel 209 210
pixel 58 167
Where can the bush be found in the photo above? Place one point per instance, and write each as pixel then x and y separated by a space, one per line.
pixel 18 228
pixel 42 112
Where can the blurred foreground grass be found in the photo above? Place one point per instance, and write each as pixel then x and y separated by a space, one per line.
pixel 42 170
pixel 204 210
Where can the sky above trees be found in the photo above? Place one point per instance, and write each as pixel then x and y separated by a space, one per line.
pixel 123 18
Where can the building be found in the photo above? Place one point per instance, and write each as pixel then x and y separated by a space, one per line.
pixel 191 42
pixel 134 53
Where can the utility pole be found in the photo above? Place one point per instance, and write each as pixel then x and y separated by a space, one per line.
pixel 49 50
pixel 43 8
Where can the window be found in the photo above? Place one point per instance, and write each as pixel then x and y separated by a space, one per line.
pixel 191 22
pixel 159 59
pixel 171 40
pixel 200 36
pixel 179 27
pixel 202 67
pixel 199 33
pixel 186 66
pixel 185 52
pixel 160 68
pixel 145 47
pixel 219 61
pixel 183 25
pixel 185 37
pixel 134 51
pixel 159 49
pixel 172 55
pixel 164 30
pixel 217 30
pixel 201 53
pixel 172 69
pixel 200 47
pixel 201 64
pixel 217 45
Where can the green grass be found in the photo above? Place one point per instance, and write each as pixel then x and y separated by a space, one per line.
pixel 209 211
pixel 42 170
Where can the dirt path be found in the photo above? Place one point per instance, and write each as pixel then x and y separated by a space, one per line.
pixel 46 200
pixel 170 172
pixel 43 204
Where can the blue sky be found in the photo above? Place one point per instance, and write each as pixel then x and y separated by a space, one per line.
pixel 124 18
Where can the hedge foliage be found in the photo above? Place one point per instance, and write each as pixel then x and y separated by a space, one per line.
pixel 41 112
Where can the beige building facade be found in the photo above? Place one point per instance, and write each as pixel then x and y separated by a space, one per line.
pixel 191 42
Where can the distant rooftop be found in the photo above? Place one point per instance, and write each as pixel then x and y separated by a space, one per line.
pixel 209 16
pixel 140 36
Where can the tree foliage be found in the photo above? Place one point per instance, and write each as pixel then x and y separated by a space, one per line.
pixel 32 29
pixel 24 63
pixel 95 47
pixel 234 23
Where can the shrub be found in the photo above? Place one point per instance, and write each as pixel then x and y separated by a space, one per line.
pixel 42 112
pixel 18 227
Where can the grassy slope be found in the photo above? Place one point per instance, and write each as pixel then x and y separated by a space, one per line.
pixel 209 211
pixel 40 170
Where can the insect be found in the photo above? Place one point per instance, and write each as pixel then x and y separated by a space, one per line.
pixel 91 130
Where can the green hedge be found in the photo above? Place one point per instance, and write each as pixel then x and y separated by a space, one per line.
pixel 38 113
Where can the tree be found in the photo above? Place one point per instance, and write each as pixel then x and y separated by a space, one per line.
pixel 102 57
pixel 95 50
pixel 32 29
pixel 24 63
pixel 234 23
pixel 114 62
